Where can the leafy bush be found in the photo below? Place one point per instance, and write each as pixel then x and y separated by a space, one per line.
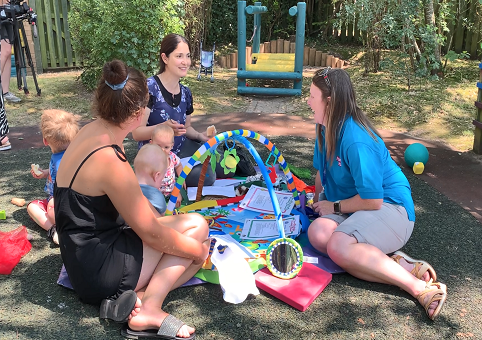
pixel 131 31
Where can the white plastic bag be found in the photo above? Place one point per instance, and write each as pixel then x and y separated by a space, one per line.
pixel 235 275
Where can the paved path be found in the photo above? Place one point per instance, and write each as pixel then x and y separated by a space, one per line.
pixel 456 175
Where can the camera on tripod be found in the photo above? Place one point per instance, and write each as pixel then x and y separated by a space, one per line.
pixel 12 16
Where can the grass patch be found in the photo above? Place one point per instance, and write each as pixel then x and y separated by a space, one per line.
pixel 440 110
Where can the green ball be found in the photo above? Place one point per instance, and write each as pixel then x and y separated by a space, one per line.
pixel 416 152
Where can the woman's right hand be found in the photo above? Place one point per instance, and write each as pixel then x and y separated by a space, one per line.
pixel 179 129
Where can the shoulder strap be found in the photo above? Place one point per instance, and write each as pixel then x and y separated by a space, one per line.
pixel 118 151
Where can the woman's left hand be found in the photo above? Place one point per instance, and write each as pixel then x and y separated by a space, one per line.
pixel 323 207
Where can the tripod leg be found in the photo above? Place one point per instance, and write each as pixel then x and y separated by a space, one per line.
pixel 29 60
pixel 22 40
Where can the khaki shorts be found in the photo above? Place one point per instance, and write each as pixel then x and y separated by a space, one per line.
pixel 388 229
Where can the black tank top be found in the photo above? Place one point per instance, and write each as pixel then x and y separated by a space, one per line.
pixel 101 254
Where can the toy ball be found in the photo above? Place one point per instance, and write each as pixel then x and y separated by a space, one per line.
pixel 418 168
pixel 415 152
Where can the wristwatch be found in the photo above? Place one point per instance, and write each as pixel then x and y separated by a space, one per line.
pixel 337 208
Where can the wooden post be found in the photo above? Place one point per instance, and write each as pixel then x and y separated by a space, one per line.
pixel 248 55
pixel 329 57
pixel 273 46
pixel 228 60
pixel 235 63
pixel 323 59
pixel 478 119
pixel 340 63
pixel 261 48
pixel 318 58
pixel 279 46
pixel 286 46
pixel 267 47
pixel 292 47
pixel 222 61
pixel 306 56
pixel 334 60
pixel 311 59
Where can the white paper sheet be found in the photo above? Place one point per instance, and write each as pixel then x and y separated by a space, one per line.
pixel 210 190
pixel 257 229
pixel 258 199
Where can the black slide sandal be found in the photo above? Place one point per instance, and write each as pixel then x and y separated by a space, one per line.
pixel 119 309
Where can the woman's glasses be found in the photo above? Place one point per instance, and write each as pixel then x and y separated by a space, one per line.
pixel 324 74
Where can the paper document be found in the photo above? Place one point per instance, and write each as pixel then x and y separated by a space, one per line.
pixel 258 199
pixel 256 229
pixel 210 190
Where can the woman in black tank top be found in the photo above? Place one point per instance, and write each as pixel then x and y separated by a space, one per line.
pixel 112 240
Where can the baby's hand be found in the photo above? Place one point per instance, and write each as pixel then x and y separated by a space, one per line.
pixel 179 200
pixel 36 171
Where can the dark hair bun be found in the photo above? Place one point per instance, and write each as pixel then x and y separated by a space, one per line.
pixel 115 72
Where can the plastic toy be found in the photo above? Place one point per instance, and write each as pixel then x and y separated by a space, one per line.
pixel 418 168
pixel 416 152
pixel 3 215
pixel 273 66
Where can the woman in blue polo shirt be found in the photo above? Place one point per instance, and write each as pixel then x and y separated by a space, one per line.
pixel 366 208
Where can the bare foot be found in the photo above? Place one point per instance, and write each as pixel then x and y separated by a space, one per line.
pixel 153 319
pixel 435 292
pixel 410 266
pixel 137 308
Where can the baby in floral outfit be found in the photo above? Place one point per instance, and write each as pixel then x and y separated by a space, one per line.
pixel 163 135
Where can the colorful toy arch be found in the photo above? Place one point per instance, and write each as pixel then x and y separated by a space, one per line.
pixel 240 136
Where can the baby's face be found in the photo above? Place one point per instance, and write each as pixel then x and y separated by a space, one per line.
pixel 164 142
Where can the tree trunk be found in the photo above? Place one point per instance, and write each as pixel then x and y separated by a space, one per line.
pixel 459 34
pixel 472 31
pixel 430 23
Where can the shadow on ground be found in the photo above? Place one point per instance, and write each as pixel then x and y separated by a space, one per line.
pixel 33 306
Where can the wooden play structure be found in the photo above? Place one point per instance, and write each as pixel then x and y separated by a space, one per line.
pixel 285 66
pixel 478 121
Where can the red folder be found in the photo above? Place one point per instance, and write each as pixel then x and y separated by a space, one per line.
pixel 298 292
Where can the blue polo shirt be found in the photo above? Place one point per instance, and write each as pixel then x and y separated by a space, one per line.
pixel 362 166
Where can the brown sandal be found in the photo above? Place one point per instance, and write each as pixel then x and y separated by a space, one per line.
pixel 420 266
pixel 439 294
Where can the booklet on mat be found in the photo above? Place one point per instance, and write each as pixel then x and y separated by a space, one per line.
pixel 298 292
pixel 258 199
pixel 258 229
pixel 211 190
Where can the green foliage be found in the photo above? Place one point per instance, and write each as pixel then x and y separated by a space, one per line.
pixel 276 23
pixel 131 31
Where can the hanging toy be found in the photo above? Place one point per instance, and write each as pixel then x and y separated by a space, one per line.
pixel 230 159
pixel 272 169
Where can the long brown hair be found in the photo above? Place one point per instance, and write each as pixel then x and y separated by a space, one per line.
pixel 342 103
pixel 168 45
